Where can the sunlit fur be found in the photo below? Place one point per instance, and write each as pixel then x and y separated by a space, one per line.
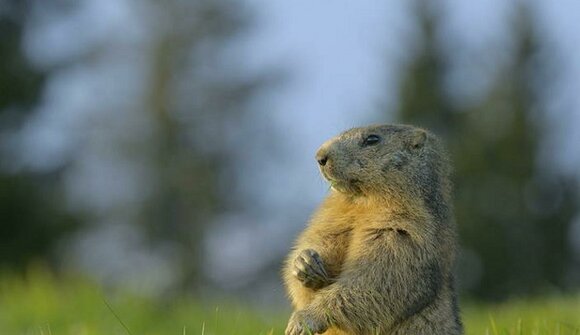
pixel 386 236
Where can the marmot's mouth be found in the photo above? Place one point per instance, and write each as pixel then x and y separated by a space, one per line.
pixel 332 181
pixel 336 185
pixel 341 185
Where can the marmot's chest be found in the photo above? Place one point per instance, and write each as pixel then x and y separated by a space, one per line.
pixel 336 244
pixel 344 234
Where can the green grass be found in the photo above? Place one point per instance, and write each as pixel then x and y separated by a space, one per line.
pixel 42 305
pixel 549 315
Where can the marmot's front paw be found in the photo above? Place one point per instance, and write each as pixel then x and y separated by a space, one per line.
pixel 304 323
pixel 309 269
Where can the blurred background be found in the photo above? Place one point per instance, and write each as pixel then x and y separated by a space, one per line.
pixel 166 147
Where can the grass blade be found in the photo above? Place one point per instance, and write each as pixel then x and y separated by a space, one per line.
pixel 117 317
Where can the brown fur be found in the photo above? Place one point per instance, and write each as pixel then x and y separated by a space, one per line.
pixel 386 238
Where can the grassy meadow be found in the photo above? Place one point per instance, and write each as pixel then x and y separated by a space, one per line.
pixel 42 305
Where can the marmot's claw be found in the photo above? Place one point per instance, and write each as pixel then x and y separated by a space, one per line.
pixel 309 269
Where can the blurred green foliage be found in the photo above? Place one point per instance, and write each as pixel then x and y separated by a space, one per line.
pixel 192 102
pixel 19 83
pixel 513 213
pixel 32 222
pixel 32 217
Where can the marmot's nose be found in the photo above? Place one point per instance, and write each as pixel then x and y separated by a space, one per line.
pixel 322 156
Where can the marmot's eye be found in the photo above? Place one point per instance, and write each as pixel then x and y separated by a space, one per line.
pixel 371 140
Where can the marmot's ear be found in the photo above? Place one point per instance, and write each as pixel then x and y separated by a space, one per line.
pixel 418 139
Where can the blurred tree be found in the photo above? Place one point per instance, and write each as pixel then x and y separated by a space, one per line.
pixel 159 121
pixel 513 213
pixel 167 139
pixel 422 101
pixel 32 217
pixel 20 84
pixel 191 149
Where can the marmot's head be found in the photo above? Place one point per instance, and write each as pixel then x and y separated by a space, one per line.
pixel 380 160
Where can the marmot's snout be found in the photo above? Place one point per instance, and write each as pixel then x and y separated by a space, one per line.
pixel 323 153
pixel 326 158
pixel 321 158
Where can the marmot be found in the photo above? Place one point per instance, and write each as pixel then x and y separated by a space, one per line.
pixel 378 255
